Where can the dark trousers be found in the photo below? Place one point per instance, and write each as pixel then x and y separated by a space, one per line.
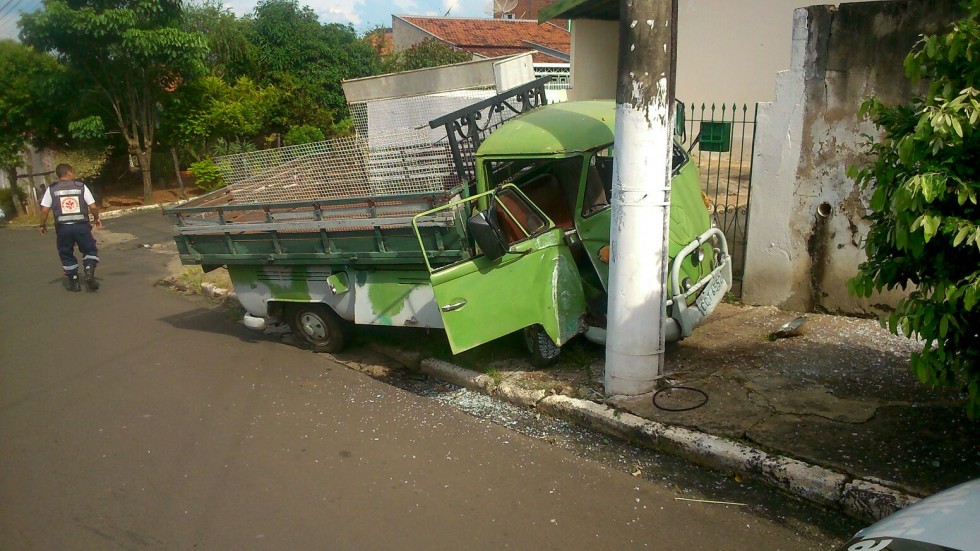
pixel 68 236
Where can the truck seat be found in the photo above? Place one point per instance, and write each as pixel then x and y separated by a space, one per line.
pixel 545 192
pixel 526 218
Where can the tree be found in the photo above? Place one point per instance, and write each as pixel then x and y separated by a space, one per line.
pixel 306 61
pixel 29 111
pixel 229 51
pixel 209 109
pixel 133 52
pixel 425 54
pixel 925 222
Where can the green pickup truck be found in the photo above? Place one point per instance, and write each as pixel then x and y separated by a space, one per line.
pixel 513 235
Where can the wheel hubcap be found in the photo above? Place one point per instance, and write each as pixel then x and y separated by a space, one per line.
pixel 313 326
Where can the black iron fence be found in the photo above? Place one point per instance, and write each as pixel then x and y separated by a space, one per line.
pixel 721 140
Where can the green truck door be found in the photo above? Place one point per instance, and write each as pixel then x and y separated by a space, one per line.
pixel 534 282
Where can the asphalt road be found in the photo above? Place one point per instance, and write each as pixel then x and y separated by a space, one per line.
pixel 135 418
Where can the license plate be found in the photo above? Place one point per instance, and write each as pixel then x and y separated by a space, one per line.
pixel 707 301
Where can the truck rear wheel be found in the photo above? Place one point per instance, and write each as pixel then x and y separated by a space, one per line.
pixel 318 325
pixel 544 352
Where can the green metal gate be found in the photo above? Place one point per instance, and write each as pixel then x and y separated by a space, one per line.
pixel 721 140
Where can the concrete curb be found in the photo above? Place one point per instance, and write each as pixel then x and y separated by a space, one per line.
pixel 106 215
pixel 862 499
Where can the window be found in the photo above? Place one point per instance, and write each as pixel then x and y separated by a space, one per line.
pixel 598 182
pixel 517 219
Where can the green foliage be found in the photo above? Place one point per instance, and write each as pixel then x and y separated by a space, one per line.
pixel 428 53
pixel 229 51
pixel 89 128
pixel 306 60
pixel 303 134
pixel 925 220
pixel 133 52
pixel 210 109
pixel 87 162
pixel 232 147
pixel 207 175
pixel 25 113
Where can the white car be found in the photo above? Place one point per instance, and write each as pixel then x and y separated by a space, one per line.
pixel 947 521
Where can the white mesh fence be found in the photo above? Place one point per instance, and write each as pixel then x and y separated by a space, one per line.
pixel 348 167
pixel 394 152
pixel 376 118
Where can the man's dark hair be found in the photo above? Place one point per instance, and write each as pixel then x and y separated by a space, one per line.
pixel 63 169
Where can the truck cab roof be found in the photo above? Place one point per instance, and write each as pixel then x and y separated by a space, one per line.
pixel 554 128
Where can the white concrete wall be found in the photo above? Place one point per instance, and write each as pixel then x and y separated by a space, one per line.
pixel 404 34
pixel 594 59
pixel 806 217
pixel 731 51
pixel 776 258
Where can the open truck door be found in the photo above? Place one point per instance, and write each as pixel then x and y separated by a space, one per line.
pixel 522 274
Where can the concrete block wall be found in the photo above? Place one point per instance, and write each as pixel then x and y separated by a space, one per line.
pixel 806 218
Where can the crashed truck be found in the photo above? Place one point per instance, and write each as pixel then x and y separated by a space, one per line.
pixel 490 219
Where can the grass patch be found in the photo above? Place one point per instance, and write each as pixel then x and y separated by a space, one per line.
pixel 494 375
pixel 193 278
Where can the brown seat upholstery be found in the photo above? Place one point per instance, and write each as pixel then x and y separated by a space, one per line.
pixel 545 192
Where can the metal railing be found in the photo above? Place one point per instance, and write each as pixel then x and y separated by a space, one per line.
pixel 721 140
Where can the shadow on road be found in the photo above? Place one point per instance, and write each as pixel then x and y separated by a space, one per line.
pixel 212 321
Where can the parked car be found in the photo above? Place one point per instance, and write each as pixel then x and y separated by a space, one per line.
pixel 947 521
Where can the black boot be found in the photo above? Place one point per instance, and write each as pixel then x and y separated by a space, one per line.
pixel 90 278
pixel 73 283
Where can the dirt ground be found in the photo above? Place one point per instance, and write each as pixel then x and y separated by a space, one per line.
pixel 129 197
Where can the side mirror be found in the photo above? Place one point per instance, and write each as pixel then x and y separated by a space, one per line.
pixel 487 236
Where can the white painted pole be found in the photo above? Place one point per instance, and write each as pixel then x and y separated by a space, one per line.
pixel 640 197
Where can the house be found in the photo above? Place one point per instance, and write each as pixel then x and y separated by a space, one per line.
pixel 726 51
pixel 524 9
pixel 487 38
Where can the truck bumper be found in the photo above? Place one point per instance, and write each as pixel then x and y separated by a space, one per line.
pixel 710 290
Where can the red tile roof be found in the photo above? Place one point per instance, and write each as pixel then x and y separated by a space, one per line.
pixel 496 37
pixel 381 42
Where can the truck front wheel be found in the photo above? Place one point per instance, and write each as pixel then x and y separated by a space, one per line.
pixel 544 352
pixel 318 325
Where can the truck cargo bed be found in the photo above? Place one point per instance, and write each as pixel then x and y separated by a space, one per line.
pixel 334 231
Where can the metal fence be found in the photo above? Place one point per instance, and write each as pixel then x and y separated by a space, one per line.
pixel 721 140
pixel 405 162
pixel 394 152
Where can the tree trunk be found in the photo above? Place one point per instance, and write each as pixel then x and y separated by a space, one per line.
pixel 14 188
pixel 33 208
pixel 143 159
pixel 180 181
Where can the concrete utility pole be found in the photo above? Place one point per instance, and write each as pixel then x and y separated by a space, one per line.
pixel 641 196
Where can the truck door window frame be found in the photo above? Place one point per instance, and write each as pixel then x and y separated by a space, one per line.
pixel 518 203
pixel 598 184
pixel 551 183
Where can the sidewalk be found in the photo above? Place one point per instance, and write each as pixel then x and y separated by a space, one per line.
pixel 832 415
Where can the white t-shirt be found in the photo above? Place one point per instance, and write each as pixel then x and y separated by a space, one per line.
pixel 86 195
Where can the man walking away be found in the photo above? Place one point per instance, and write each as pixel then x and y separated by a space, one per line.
pixel 72 202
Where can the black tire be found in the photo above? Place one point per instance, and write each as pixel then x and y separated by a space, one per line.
pixel 544 352
pixel 318 325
